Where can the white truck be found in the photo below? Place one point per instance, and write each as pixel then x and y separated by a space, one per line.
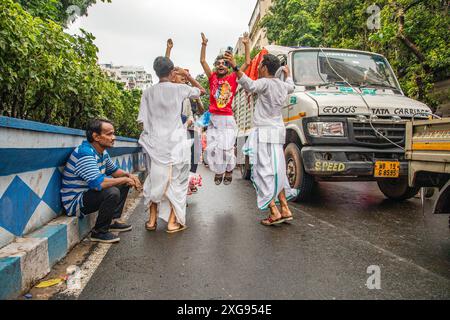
pixel 345 121
pixel 428 152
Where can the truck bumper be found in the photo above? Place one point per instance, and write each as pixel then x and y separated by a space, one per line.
pixel 349 161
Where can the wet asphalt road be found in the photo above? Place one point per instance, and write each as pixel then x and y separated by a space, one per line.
pixel 323 254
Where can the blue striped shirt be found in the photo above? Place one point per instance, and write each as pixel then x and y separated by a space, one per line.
pixel 85 170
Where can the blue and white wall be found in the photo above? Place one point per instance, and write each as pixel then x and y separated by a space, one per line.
pixel 32 157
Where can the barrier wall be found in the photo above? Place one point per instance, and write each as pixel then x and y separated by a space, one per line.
pixel 32 157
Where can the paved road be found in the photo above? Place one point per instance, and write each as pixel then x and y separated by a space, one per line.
pixel 323 254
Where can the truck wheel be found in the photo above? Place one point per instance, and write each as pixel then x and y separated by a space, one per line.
pixel 246 169
pixel 429 192
pixel 397 189
pixel 298 178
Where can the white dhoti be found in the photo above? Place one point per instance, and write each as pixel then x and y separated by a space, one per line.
pixel 167 182
pixel 164 140
pixel 166 185
pixel 220 149
pixel 265 150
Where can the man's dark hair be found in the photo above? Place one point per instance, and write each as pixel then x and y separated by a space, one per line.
pixel 95 125
pixel 220 57
pixel 272 63
pixel 163 66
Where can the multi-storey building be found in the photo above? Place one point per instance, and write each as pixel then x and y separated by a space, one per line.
pixel 258 35
pixel 131 77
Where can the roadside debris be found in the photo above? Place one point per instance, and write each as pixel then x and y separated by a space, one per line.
pixel 50 283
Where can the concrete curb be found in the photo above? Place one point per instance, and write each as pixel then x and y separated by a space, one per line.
pixel 29 259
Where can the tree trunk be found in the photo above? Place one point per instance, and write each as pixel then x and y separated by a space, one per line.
pixel 420 86
pixel 408 42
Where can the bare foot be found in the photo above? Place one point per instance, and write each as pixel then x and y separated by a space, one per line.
pixel 274 213
pixel 286 213
pixel 153 217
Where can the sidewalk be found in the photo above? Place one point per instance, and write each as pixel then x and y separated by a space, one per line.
pixel 27 260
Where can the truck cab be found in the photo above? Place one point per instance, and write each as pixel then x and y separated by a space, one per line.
pixel 346 120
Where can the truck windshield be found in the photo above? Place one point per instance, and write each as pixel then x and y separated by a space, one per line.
pixel 311 68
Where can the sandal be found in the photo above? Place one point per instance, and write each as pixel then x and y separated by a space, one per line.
pixel 288 218
pixel 270 222
pixel 228 178
pixel 218 179
pixel 149 228
pixel 180 228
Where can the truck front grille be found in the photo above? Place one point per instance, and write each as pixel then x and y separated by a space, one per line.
pixel 363 134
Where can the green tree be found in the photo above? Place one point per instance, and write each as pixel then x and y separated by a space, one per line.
pixel 294 23
pixel 203 80
pixel 50 76
pixel 413 35
pixel 57 10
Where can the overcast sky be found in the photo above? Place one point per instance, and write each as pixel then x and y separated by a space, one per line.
pixel 134 32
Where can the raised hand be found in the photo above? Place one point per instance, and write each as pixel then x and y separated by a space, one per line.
pixel 204 39
pixel 169 43
pixel 246 39
pixel 203 62
pixel 230 58
pixel 169 48
pixel 182 72
pixel 286 71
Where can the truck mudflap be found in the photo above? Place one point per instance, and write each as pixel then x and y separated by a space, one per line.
pixel 339 161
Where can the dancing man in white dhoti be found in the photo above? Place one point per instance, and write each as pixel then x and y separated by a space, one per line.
pixel 165 141
pixel 190 110
pixel 222 130
pixel 265 143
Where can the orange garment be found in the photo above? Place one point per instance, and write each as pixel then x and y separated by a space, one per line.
pixel 252 70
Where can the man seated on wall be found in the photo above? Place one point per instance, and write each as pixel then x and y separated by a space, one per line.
pixel 92 182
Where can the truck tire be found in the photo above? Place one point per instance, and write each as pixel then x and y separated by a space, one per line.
pixel 298 178
pixel 246 170
pixel 429 192
pixel 397 189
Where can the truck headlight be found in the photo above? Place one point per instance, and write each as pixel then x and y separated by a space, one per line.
pixel 326 129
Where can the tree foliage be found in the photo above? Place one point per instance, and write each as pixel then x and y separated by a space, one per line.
pixel 58 11
pixel 203 80
pixel 413 34
pixel 50 76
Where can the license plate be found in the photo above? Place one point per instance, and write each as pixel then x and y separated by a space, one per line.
pixel 387 169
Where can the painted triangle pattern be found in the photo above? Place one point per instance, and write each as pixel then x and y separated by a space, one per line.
pixel 19 201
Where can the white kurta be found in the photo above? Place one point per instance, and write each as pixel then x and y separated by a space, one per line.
pixel 265 143
pixel 220 140
pixel 164 140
